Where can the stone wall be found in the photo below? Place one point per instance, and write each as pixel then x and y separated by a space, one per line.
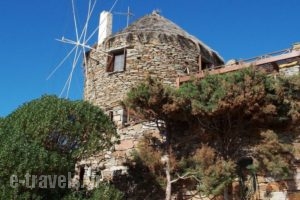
pixel 153 46
pixel 153 53
pixel 105 165
pixel 290 71
pixel 156 53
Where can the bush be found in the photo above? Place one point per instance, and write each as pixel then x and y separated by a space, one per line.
pixel 104 191
pixel 47 136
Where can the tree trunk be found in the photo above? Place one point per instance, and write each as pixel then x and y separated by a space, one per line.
pixel 168 176
pixel 226 195
pixel 168 169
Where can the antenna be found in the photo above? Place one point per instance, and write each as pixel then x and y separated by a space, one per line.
pixel 156 11
pixel 80 45
pixel 128 14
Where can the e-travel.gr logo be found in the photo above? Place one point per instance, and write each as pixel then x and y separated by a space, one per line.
pixel 41 181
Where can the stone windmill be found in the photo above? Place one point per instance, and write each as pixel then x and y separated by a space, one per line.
pixel 151 46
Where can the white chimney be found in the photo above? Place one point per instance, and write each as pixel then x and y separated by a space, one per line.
pixel 105 26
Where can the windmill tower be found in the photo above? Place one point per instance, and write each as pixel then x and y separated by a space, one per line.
pixel 153 45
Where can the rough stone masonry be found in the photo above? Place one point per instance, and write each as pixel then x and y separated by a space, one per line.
pixel 152 46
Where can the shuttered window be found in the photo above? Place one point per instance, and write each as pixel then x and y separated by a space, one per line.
pixel 116 61
pixel 119 63
pixel 110 63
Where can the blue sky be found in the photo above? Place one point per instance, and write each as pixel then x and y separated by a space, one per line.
pixel 29 52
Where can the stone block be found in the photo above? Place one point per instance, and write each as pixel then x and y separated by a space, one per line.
pixel 124 145
pixel 119 154
pixel 106 174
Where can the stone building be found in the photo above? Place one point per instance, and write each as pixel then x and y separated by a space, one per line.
pixel 152 46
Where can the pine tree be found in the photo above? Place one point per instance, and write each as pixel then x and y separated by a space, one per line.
pixel 226 118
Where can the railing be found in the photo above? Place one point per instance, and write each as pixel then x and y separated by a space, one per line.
pixel 240 64
pixel 276 53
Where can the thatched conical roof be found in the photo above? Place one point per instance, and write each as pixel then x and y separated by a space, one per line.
pixel 154 22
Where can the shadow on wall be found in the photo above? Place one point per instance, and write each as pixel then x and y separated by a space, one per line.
pixel 139 183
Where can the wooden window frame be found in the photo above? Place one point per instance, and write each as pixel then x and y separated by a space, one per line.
pixel 111 115
pixel 204 64
pixel 111 60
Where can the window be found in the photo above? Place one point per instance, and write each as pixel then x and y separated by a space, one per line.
pixel 111 115
pixel 81 175
pixel 203 63
pixel 116 61
pixel 119 116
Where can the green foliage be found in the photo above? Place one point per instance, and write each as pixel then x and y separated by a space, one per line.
pixel 233 115
pixel 213 171
pixel 142 180
pixel 150 155
pixel 46 137
pixel 154 101
pixel 291 91
pixel 204 95
pixel 274 156
pixel 60 125
pixel 217 93
pixel 103 191
pixel 106 192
